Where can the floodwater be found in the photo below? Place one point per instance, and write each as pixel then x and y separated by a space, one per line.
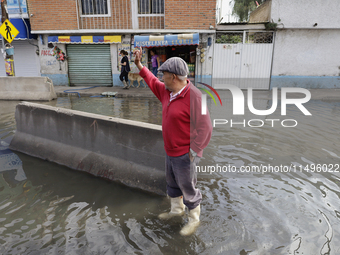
pixel 48 209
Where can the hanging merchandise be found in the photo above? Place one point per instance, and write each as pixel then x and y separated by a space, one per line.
pixel 58 54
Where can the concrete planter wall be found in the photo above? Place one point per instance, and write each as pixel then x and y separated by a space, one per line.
pixel 26 88
pixel 127 151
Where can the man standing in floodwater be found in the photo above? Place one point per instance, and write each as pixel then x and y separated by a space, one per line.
pixel 186 132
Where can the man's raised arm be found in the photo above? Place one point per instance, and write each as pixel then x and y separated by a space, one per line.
pixel 154 84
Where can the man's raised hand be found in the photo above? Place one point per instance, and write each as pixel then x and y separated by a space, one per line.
pixel 138 57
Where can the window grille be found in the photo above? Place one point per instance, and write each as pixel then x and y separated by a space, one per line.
pixel 150 6
pixel 250 37
pixel 259 37
pixel 229 37
pixel 94 7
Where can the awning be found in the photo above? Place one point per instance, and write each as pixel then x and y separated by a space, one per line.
pixel 85 39
pixel 166 40
pixel 20 25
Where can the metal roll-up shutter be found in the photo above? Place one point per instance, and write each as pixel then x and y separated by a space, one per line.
pixel 89 65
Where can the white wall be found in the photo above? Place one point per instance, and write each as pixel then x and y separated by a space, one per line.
pixel 205 68
pixel 49 64
pixel 114 58
pixel 305 13
pixel 307 53
pixel 26 61
pixel 225 9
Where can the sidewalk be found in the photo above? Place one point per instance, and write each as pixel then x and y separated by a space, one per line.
pixel 141 92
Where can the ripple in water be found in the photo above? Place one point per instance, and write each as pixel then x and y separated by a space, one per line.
pixel 48 209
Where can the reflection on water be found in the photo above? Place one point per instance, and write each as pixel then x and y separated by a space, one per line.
pixel 52 210
pixel 145 110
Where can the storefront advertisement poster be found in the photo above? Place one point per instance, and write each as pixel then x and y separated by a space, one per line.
pixel 9 65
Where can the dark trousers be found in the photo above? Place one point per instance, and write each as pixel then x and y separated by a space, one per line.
pixel 155 71
pixel 123 75
pixel 181 179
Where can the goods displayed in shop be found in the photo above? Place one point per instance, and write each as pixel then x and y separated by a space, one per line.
pixel 191 69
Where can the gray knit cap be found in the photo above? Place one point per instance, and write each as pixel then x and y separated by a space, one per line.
pixel 175 65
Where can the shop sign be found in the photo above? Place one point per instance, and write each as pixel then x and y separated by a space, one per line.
pixel 164 43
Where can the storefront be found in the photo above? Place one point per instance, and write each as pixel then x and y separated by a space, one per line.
pixel 26 59
pixel 167 46
pixel 88 59
pixel 95 60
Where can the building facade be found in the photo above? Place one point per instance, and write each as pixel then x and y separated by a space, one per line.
pixel 80 40
pixel 306 47
pixel 26 51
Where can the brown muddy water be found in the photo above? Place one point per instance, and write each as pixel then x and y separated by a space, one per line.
pixel 49 209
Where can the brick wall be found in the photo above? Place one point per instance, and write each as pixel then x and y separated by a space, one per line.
pixel 151 22
pixel 52 15
pixel 120 17
pixel 179 14
pixel 190 14
pixel 62 15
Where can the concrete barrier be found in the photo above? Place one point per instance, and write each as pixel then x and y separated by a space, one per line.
pixel 27 88
pixel 127 151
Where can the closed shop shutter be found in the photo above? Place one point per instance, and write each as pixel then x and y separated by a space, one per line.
pixel 89 65
pixel 26 61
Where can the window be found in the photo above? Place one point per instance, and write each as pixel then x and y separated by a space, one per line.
pixel 17 8
pixel 150 6
pixel 94 7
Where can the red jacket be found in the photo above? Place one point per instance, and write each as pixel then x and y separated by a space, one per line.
pixel 183 125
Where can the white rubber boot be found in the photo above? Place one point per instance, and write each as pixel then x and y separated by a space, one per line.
pixel 177 209
pixel 125 85
pixel 194 221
